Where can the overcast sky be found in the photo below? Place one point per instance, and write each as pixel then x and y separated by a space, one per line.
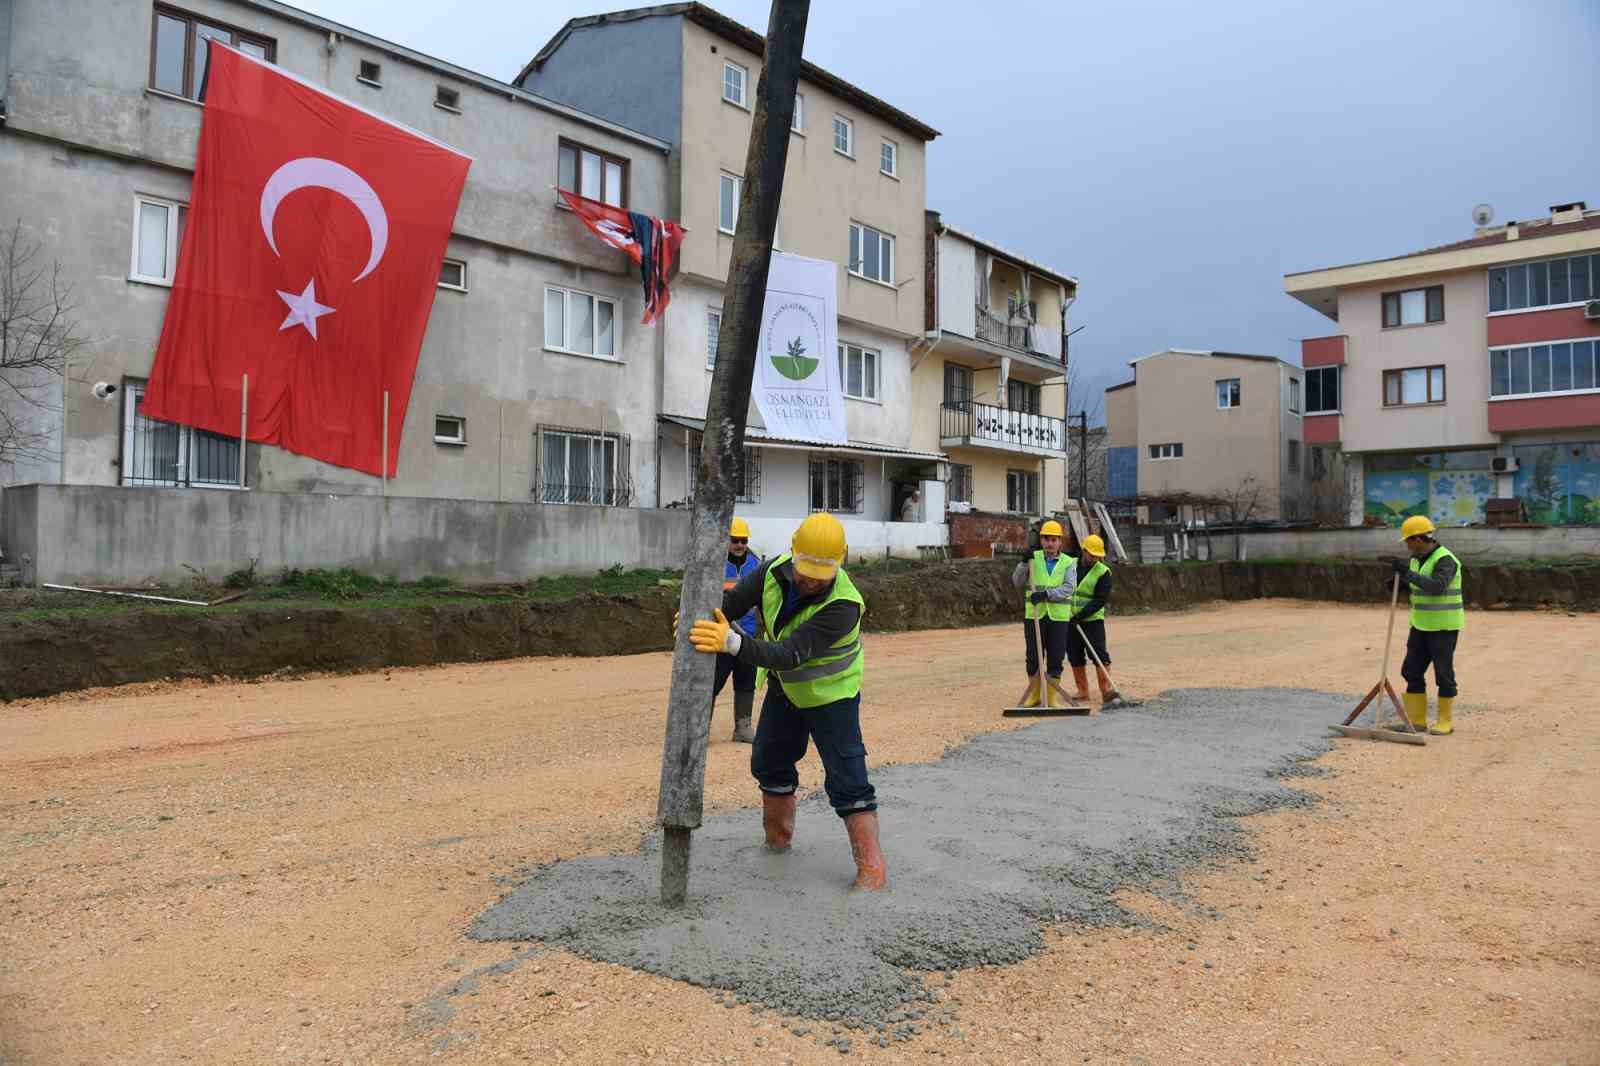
pixel 1179 158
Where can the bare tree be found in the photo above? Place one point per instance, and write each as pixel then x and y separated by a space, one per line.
pixel 38 336
pixel 1237 505
pixel 1329 491
pixel 1086 465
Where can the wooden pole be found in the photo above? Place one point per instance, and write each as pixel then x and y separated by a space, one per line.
pixel 385 457
pixel 244 421
pixel 683 755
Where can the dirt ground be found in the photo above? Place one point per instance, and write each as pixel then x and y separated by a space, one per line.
pixel 281 872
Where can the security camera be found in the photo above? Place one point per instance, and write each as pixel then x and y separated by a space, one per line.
pixel 103 390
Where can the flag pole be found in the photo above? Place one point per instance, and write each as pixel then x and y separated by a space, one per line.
pixel 244 421
pixel 385 459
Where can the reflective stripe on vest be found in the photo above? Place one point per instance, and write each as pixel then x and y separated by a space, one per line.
pixel 1085 592
pixel 836 673
pixel 1446 611
pixel 1041 579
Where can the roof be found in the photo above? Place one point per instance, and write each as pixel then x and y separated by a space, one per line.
pixel 1526 231
pixel 745 37
pixel 1037 268
pixel 756 436
pixel 1213 355
pixel 1124 385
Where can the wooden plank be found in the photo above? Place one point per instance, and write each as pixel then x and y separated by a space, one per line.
pixel 1111 531
pixel 1075 518
pixel 1380 734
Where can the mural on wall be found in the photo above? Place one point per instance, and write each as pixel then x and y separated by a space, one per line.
pixel 1394 496
pixel 1457 497
pixel 1559 484
pixel 1449 487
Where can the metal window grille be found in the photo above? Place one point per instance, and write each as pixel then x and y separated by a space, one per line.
pixel 749 471
pixel 836 484
pixel 960 483
pixel 157 453
pixel 581 466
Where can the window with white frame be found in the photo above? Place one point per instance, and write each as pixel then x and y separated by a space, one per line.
pixel 960 483
pixel 858 371
pixel 713 330
pixel 871 254
pixel 836 484
pixel 1538 369
pixel 1228 392
pixel 582 466
pixel 730 189
pixel 1550 283
pixel 734 78
pixel 798 122
pixel 844 136
pixel 579 323
pixel 449 429
pixel 1166 451
pixel 453 275
pixel 889 159
pixel 156 453
pixel 1294 396
pixel 1322 390
pixel 157 232
pixel 1022 491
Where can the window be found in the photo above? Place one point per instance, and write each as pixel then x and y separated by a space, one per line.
pixel 580 323
pixel 844 136
pixel 580 466
pixel 592 173
pixel 1322 389
pixel 750 476
pixel 370 73
pixel 798 122
pixel 453 275
pixel 732 188
pixel 733 81
pixel 178 50
pixel 889 159
pixel 1294 457
pixel 157 232
pixel 713 330
pixel 447 99
pixel 1416 385
pixel 1228 392
pixel 1568 366
pixel 165 453
pixel 1551 283
pixel 1413 307
pixel 1319 463
pixel 1023 396
pixel 836 484
pixel 448 429
pixel 871 254
pixel 957 383
pixel 858 372
pixel 1166 451
pixel 1294 396
pixel 1022 491
pixel 960 483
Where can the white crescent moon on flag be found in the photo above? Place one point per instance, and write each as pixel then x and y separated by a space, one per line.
pixel 311 172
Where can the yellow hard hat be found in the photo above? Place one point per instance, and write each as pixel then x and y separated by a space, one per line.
pixel 818 546
pixel 739 529
pixel 1416 526
pixel 1052 528
pixel 1093 545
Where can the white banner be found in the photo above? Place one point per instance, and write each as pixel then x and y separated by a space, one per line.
pixel 796 384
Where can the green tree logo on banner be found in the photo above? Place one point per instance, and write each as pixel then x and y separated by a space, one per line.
pixel 796 365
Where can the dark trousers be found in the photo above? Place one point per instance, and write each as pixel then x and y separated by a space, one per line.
pixel 1096 632
pixel 744 675
pixel 782 735
pixel 1055 645
pixel 1438 648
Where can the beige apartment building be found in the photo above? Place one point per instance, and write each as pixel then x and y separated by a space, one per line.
pixel 1213 424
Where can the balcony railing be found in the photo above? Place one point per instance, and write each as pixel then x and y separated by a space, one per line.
pixel 1016 334
pixel 964 422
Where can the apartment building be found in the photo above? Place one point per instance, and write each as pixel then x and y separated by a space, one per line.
pixel 535 382
pixel 1222 425
pixel 853 193
pixel 989 380
pixel 1464 373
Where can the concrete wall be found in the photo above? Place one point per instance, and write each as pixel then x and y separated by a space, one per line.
pixel 79 534
pixel 1555 542
pixel 584 73
pixel 1122 417
pixel 867 540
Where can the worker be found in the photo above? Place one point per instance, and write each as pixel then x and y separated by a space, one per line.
pixel 1049 576
pixel 741 561
pixel 1089 601
pixel 810 623
pixel 1438 613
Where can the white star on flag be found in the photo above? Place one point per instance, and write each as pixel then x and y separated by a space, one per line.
pixel 304 309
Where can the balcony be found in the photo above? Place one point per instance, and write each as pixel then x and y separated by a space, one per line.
pixel 965 424
pixel 1018 334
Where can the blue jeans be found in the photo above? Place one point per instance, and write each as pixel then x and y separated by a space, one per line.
pixel 782 736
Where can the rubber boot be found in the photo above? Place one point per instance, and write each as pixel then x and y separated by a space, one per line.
pixel 743 704
pixel 1108 691
pixel 777 820
pixel 1445 725
pixel 1416 711
pixel 1080 677
pixel 872 872
pixel 1031 697
pixel 1057 698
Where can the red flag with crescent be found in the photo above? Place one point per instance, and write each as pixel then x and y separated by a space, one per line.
pixel 310 261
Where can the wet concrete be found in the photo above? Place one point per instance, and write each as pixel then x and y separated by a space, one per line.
pixel 999 838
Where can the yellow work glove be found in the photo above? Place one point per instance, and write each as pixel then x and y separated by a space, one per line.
pixel 718 637
pixel 674 627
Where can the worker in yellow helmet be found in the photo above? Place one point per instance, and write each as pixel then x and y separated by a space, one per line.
pixel 1089 602
pixel 1049 577
pixel 809 616
pixel 740 562
pixel 1438 614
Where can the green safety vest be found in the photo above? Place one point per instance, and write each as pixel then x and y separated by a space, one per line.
pixel 1085 592
pixel 1056 612
pixel 836 673
pixel 1445 611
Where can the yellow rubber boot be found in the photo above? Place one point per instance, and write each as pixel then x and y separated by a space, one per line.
pixel 1444 726
pixel 1031 697
pixel 1416 704
pixel 1055 697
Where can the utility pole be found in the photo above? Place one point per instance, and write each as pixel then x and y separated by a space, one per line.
pixel 683 757
pixel 1082 418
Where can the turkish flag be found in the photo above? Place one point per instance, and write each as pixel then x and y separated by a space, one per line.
pixel 310 261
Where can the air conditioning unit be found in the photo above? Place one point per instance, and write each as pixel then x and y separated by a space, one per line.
pixel 1503 464
pixel 1591 310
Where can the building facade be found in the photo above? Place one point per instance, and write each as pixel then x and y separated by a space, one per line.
pixel 1464 373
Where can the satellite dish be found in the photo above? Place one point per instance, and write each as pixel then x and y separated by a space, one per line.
pixel 1482 215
